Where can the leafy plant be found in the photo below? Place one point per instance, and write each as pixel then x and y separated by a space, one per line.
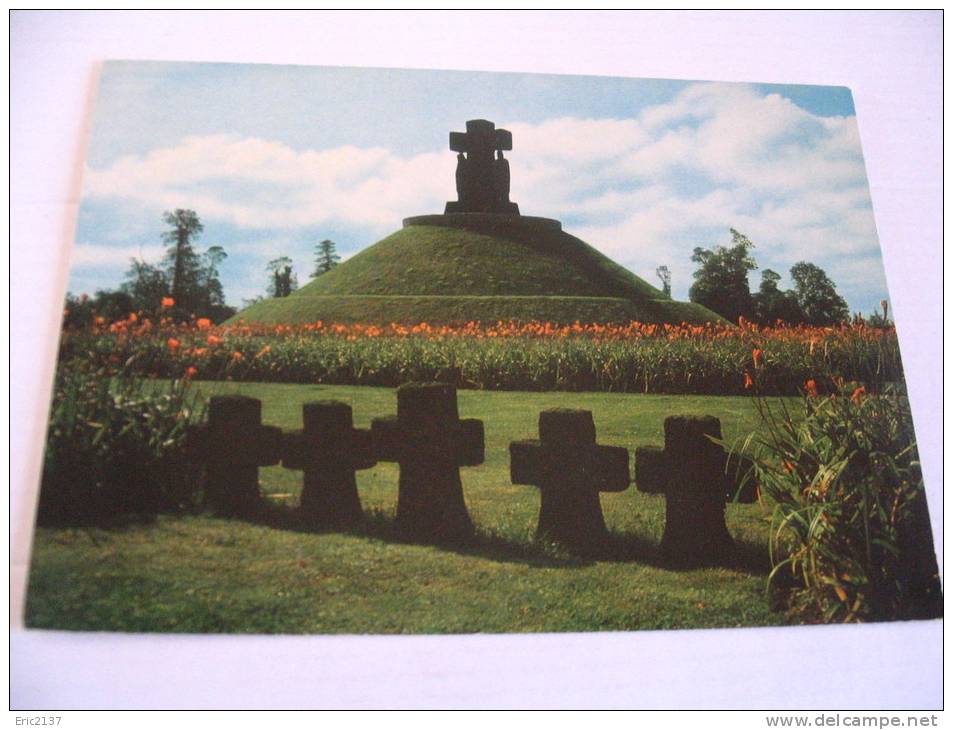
pixel 114 446
pixel 850 538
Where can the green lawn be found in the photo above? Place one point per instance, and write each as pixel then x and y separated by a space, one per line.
pixel 202 574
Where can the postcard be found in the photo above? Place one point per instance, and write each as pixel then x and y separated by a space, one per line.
pixel 368 351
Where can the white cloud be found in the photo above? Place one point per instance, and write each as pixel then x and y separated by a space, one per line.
pixel 89 255
pixel 262 184
pixel 645 191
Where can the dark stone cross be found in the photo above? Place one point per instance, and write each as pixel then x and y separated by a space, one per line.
pixel 233 444
pixel 430 442
pixel 329 450
pixel 653 471
pixel 483 174
pixel 570 469
pixel 695 530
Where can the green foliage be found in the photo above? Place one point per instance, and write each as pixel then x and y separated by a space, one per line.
pixel 721 281
pixel 773 305
pixel 114 446
pixel 147 285
pixel 282 280
pixel 850 531
pixel 326 258
pixel 190 279
pixel 817 297
pixel 669 361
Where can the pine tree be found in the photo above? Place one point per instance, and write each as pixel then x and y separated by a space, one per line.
pixel 326 258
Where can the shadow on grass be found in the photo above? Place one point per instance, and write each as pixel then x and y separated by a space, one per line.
pixel 384 527
pixel 748 557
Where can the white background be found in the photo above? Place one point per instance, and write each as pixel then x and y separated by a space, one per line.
pixel 893 64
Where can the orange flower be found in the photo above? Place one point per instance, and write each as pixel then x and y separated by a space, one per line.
pixel 811 387
pixel 168 302
pixel 756 356
pixel 236 356
pixel 190 372
pixel 748 381
pixel 133 317
pixel 173 344
pixel 213 340
pixel 858 395
pixel 203 323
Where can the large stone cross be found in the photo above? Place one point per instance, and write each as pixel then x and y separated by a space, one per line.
pixel 570 469
pixel 233 444
pixel 430 442
pixel 693 473
pixel 483 174
pixel 329 449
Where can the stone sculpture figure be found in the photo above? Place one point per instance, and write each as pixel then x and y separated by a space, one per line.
pixel 483 181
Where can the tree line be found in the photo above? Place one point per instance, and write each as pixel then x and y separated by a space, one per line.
pixel 721 285
pixel 184 283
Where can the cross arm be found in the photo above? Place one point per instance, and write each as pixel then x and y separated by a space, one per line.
pixel 470 442
pixel 268 446
pixel 294 450
pixel 197 443
pixel 386 437
pixel 612 469
pixel 458 142
pixel 526 462
pixel 651 469
pixel 362 449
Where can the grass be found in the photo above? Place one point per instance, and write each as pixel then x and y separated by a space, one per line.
pixel 445 275
pixel 202 574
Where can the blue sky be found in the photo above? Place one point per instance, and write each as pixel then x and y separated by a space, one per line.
pixel 276 158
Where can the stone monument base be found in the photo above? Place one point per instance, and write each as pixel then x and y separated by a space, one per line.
pixel 492 223
pixel 498 208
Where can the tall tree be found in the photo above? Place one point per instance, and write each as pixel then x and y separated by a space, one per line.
pixel 721 281
pixel 817 296
pixel 325 258
pixel 282 278
pixel 183 264
pixel 772 304
pixel 663 273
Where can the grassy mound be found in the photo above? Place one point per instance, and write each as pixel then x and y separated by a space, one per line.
pixel 441 274
pixel 377 309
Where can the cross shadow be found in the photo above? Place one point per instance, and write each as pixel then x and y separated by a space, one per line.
pixel 748 557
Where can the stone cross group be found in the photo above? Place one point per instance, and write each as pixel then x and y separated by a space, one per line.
pixel 483 174
pixel 430 442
